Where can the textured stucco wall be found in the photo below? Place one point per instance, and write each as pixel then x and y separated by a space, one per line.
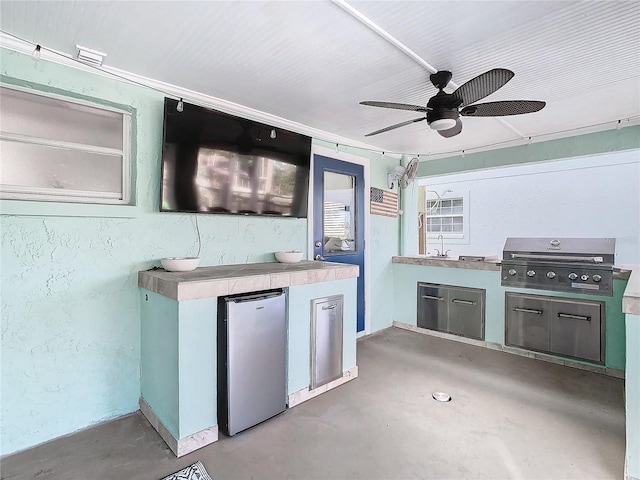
pixel 70 303
pixel 385 241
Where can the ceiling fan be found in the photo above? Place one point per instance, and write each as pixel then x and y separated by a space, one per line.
pixel 443 110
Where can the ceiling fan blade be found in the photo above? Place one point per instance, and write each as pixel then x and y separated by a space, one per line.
pixel 501 109
pixel 399 106
pixel 483 85
pixel 397 125
pixel 453 131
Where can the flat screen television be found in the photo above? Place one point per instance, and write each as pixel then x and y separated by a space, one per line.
pixel 213 162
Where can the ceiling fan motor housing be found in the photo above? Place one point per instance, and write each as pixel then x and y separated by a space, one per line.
pixel 443 106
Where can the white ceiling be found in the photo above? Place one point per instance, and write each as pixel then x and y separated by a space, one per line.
pixel 307 64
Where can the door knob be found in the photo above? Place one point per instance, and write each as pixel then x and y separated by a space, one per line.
pixel 318 244
pixel 319 257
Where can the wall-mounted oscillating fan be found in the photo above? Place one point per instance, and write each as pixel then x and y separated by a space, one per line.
pixel 444 109
pixel 403 175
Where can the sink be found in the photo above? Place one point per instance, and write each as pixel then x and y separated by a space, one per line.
pixel 439 257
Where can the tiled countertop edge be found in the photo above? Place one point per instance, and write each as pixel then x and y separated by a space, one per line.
pixel 214 287
pixel 631 296
pixel 493 265
pixel 447 263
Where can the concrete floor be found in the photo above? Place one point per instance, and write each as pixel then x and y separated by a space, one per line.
pixel 510 417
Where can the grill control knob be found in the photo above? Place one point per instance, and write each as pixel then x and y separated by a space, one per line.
pixel 512 271
pixel 596 278
pixel 573 276
pixel 530 273
pixel 584 277
pixel 551 274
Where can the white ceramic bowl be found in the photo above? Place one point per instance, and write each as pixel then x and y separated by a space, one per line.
pixel 180 264
pixel 289 257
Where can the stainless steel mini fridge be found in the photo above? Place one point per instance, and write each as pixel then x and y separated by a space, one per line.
pixel 251 359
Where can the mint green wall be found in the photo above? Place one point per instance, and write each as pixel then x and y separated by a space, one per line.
pixel 632 394
pixel 405 302
pixel 581 145
pixel 70 302
pixel 385 243
pixel 299 328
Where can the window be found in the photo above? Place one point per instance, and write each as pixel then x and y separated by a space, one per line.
pixel 59 150
pixel 443 217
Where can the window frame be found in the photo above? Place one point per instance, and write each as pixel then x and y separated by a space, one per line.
pixel 455 238
pixel 74 197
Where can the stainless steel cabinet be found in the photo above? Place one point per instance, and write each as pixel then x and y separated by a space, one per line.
pixel 326 339
pixel 451 309
pixel 562 326
pixel 576 329
pixel 527 323
pixel 432 307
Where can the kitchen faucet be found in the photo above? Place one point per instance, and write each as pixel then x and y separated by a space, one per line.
pixel 441 252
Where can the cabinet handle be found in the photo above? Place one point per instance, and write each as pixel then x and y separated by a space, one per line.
pixel 527 310
pixel 432 297
pixel 330 307
pixel 574 317
pixel 463 302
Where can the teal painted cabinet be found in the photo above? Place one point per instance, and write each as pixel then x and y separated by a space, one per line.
pixel 408 276
pixel 179 351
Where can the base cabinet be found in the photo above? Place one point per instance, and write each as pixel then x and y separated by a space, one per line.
pixel 451 309
pixel 561 326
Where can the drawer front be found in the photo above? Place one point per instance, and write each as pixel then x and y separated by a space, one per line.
pixel 432 307
pixel 576 329
pixel 527 322
pixel 466 312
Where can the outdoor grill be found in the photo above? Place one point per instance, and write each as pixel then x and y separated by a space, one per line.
pixel 577 265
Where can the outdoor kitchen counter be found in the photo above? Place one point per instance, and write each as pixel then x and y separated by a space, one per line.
pixel 489 264
pixel 206 282
pixel 448 262
pixel 179 321
pixel 631 297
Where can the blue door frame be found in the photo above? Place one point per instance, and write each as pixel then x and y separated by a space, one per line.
pixel 321 165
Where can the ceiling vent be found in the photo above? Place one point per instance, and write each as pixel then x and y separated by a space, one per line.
pixel 91 57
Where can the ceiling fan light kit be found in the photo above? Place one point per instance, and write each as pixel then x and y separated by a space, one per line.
pixel 442 124
pixel 443 110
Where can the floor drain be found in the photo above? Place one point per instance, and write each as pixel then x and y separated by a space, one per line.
pixel 441 396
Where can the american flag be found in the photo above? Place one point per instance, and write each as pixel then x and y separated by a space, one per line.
pixel 384 202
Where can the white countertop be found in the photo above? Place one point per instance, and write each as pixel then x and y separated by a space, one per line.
pixel 205 282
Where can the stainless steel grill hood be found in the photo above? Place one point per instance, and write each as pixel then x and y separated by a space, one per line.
pixel 579 265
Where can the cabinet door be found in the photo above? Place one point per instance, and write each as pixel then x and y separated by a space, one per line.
pixel 576 329
pixel 326 340
pixel 466 312
pixel 527 322
pixel 432 307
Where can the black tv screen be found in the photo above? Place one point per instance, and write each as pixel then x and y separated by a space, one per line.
pixel 213 162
